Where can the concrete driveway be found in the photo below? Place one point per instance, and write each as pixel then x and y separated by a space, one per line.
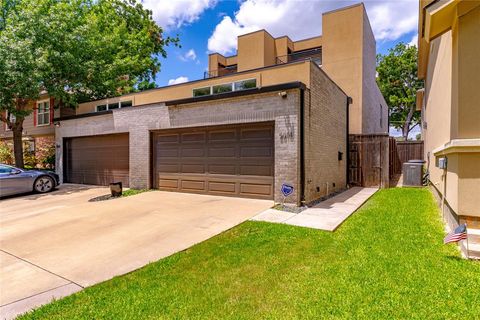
pixel 55 244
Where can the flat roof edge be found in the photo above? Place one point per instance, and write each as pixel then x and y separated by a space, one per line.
pixel 272 88
pixel 344 8
pixel 275 87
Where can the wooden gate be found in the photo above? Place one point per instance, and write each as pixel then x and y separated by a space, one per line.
pixel 368 162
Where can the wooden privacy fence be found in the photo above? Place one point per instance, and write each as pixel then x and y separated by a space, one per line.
pixel 410 150
pixel 403 151
pixel 374 159
pixel 368 160
pixel 394 159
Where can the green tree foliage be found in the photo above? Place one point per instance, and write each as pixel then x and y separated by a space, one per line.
pixel 398 82
pixel 75 50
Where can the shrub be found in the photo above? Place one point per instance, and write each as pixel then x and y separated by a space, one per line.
pixel 6 153
pixel 45 152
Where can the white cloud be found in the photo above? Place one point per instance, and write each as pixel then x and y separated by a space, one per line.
pixel 177 80
pixel 302 19
pixel 175 13
pixel 414 41
pixel 189 55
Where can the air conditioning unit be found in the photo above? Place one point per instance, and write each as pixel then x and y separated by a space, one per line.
pixel 412 173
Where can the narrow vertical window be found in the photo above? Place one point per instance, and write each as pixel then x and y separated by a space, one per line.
pixel 381 116
pixel 43 113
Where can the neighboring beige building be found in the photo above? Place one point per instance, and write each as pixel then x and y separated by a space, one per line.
pixel 346 52
pixel 277 112
pixel 449 47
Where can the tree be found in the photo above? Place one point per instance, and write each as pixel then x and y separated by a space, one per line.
pixel 75 50
pixel 398 82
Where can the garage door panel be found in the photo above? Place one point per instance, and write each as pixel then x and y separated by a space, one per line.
pixel 187 152
pixel 222 135
pixel 194 185
pixel 262 133
pixel 168 152
pixel 222 152
pixel 168 183
pixel 97 160
pixel 193 137
pixel 255 189
pixel 193 168
pixel 222 187
pixel 167 138
pixel 256 151
pixel 169 167
pixel 236 160
pixel 256 170
pixel 228 169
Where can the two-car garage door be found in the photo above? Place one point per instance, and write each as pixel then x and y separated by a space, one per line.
pixel 236 160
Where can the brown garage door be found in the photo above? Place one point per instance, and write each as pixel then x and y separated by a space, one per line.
pixel 236 160
pixel 97 160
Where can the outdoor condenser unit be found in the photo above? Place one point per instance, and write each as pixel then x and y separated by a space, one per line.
pixel 412 173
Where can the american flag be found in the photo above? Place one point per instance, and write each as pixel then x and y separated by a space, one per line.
pixel 460 233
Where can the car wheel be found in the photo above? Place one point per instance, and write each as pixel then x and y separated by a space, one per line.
pixel 43 184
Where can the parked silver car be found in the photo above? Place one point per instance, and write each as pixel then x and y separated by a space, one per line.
pixel 15 181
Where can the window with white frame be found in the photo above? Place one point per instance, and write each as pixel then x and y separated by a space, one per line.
pixel 43 113
pixel 225 87
pixel 113 105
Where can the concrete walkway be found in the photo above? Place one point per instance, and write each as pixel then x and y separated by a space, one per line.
pixel 52 245
pixel 327 215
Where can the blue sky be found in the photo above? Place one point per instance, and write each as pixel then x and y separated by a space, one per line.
pixel 205 26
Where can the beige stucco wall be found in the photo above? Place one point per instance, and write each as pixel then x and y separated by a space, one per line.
pixel 451 111
pixel 437 110
pixel 349 59
pixel 255 50
pixel 282 45
pixel 325 136
pixel 276 75
pixel 469 184
pixel 466 81
pixel 437 116
pixel 374 106
pixel 342 56
pixel 306 44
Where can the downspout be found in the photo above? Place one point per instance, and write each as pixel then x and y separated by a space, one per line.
pixel 349 101
pixel 302 148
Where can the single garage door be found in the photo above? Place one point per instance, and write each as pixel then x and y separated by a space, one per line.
pixel 235 160
pixel 97 160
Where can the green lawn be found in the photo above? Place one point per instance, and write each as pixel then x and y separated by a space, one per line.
pixel 387 261
pixel 132 192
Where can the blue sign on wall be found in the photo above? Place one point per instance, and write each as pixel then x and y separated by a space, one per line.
pixel 287 189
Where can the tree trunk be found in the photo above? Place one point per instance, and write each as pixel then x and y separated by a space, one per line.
pixel 408 121
pixel 17 131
